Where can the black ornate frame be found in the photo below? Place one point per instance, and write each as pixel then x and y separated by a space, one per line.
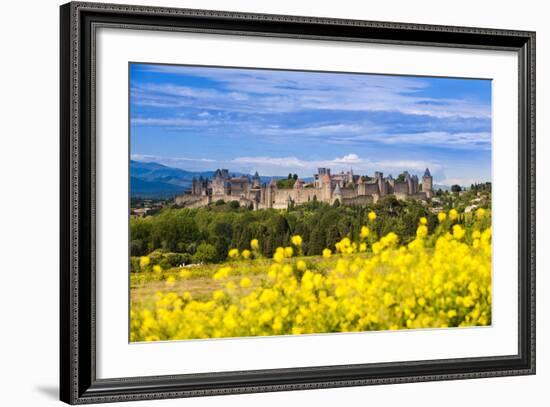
pixel 78 382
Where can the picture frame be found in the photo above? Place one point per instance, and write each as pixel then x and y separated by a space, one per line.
pixel 79 382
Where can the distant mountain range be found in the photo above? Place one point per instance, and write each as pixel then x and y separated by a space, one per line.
pixel 153 180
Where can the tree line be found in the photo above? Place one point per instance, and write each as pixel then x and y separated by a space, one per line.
pixel 206 234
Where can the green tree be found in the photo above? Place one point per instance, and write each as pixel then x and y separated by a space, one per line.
pixel 456 188
pixel 206 253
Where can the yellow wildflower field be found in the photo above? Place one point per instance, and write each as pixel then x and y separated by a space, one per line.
pixel 442 278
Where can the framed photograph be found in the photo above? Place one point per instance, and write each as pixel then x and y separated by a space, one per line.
pixel 254 203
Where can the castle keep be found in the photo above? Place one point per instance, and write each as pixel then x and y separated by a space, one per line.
pixel 346 187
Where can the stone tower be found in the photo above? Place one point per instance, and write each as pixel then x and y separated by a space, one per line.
pixel 270 192
pixel 326 188
pixel 427 183
pixel 256 181
pixel 379 176
pixel 337 194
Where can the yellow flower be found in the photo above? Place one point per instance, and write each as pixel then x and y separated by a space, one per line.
pixel 184 274
pixel 423 220
pixel 297 330
pixel 245 282
pixel 144 261
pixel 246 254
pixel 458 232
pixel 388 299
pixel 296 240
pixel 441 216
pixel 289 251
pixel 254 244
pixel 453 214
pixel 277 325
pixel 480 213
pixel 157 268
pixel 364 232
pixel 444 281
pixel 422 231
pixel 279 254
pixel 233 253
pixel 372 215
pixel 222 273
pixel 266 316
pixel 218 295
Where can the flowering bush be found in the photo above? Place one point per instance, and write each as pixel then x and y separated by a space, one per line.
pixel 439 279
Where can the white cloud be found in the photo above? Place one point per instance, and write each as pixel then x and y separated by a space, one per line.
pixel 465 182
pixel 283 162
pixel 306 168
pixel 348 159
pixel 463 140
pixel 171 122
pixel 168 160
pixel 359 133
pixel 267 91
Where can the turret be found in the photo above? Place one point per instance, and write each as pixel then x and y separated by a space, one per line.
pixel 194 186
pixel 337 194
pixel 410 183
pixel 379 176
pixel 269 193
pixel 427 183
pixel 256 182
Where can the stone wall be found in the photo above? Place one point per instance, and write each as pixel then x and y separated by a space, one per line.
pixel 191 201
pixel 401 188
pixel 371 189
pixel 360 200
pixel 281 197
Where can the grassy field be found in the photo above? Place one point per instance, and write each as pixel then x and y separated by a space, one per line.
pixel 198 278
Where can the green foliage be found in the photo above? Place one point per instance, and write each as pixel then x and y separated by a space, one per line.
pixel 286 183
pixel 206 234
pixel 206 253
pixel 483 187
pixel 456 188
pixel 134 265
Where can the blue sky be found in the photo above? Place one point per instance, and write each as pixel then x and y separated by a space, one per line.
pixel 276 122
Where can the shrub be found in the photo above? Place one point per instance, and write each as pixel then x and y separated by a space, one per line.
pixel 206 253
